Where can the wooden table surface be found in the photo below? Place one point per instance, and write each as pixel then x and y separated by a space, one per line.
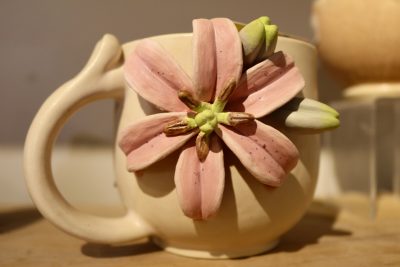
pixel 332 233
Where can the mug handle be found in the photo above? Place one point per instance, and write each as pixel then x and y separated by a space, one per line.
pixel 101 78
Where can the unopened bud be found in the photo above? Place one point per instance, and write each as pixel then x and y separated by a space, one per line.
pixel 271 38
pixel 259 39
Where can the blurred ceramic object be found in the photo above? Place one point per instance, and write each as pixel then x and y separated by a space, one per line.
pixel 359 41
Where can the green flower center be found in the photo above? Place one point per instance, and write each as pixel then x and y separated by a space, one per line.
pixel 206 119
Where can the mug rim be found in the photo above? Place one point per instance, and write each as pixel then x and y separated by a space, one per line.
pixel 298 39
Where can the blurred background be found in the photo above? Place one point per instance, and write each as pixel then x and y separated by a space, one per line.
pixel 45 43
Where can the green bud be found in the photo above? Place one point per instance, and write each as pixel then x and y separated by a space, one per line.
pixel 252 36
pixel 264 20
pixel 306 115
pixel 259 39
pixel 311 121
pixel 271 38
pixel 303 104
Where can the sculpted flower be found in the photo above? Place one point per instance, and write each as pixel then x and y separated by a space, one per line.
pixel 219 102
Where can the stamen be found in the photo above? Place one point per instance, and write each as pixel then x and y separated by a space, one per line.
pixel 223 96
pixel 226 92
pixel 177 127
pixel 235 118
pixel 202 146
pixel 188 99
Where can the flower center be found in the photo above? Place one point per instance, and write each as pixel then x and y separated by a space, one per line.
pixel 206 119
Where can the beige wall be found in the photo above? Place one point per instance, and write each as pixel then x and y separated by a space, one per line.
pixel 44 43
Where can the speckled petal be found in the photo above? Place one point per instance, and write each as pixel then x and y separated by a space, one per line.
pixel 229 53
pixel 144 142
pixel 204 59
pixel 200 185
pixel 267 86
pixel 156 77
pixel 265 152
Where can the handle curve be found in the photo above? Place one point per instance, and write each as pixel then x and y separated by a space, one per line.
pixel 100 78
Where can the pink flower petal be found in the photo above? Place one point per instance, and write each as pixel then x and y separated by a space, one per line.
pixel 200 185
pixel 265 152
pixel 156 77
pixel 144 142
pixel 229 53
pixel 267 86
pixel 204 59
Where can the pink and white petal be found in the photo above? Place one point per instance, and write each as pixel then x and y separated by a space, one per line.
pixel 261 74
pixel 144 142
pixel 156 76
pixel 204 59
pixel 200 185
pixel 265 152
pixel 229 53
pixel 267 86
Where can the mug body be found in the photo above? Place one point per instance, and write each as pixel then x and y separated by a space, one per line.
pixel 252 216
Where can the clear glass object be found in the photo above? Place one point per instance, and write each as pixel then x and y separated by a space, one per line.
pixel 365 150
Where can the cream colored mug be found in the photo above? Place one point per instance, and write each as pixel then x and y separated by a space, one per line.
pixel 251 217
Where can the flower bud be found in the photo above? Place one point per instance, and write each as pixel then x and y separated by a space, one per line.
pixel 259 39
pixel 271 38
pixel 305 115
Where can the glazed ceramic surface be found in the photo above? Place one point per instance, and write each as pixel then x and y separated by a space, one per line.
pixel 252 216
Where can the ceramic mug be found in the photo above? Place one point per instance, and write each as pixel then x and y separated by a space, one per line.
pixel 252 216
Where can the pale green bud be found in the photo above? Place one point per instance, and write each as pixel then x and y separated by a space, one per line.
pixel 271 38
pixel 253 36
pixel 259 39
pixel 306 115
